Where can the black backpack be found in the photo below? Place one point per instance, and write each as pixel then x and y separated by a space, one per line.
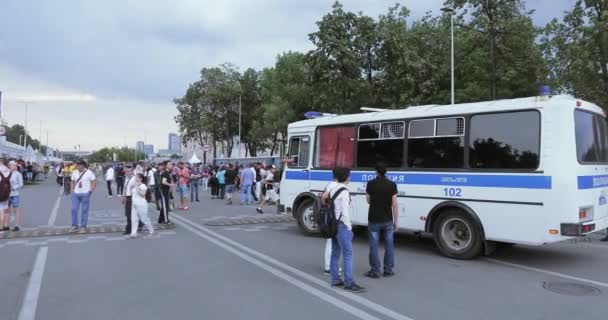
pixel 326 217
pixel 5 187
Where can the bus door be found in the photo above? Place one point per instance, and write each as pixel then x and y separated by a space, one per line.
pixel 296 176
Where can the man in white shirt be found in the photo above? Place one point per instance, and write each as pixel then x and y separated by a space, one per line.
pixel 83 183
pixel 110 179
pixel 342 243
pixel 127 200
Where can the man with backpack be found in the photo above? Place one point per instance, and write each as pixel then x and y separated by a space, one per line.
pixel 334 221
pixel 382 222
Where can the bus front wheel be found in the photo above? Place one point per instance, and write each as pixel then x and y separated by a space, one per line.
pixel 457 235
pixel 306 217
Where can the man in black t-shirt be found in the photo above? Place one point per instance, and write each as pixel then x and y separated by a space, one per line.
pixel 382 218
pixel 230 179
pixel 166 184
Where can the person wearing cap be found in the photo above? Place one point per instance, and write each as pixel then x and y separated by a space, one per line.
pixel 83 183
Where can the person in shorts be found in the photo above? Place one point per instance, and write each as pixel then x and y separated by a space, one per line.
pixel 182 186
pixel 5 173
pixel 14 199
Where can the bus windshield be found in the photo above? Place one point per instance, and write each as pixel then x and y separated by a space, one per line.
pixel 591 137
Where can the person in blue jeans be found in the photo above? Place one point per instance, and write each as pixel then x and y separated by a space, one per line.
pixel 83 183
pixel 342 243
pixel 247 180
pixel 382 221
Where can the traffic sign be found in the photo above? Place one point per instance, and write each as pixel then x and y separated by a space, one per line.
pixel 206 148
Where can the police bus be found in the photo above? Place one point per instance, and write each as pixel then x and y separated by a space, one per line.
pixel 526 171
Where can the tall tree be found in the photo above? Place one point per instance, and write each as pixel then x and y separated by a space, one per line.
pixel 344 51
pixel 251 101
pixel 577 51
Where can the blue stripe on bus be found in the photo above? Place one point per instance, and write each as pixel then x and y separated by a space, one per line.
pixel 592 182
pixel 466 180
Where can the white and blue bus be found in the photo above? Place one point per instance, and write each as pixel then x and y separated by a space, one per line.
pixel 526 171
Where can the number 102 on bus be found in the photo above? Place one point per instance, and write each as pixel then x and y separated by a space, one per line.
pixel 452 192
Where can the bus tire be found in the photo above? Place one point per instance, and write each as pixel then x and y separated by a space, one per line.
pixel 306 217
pixel 457 235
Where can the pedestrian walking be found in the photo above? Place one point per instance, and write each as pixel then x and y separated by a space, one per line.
pixel 342 243
pixel 16 180
pixel 83 183
pixel 5 193
pixel 150 180
pixel 230 180
pixel 247 180
pixel 382 220
pixel 221 180
pixel 139 210
pixel 195 180
pixel 182 186
pixel 324 199
pixel 127 199
pixel 120 180
pixel 166 184
pixel 157 194
pixel 205 175
pixel 215 185
pixel 268 185
pixel 67 178
pixel 109 180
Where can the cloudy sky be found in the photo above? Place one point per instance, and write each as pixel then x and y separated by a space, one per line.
pixel 104 72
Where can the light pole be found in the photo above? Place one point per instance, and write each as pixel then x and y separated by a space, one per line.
pixel 239 126
pixel 27 103
pixel 451 11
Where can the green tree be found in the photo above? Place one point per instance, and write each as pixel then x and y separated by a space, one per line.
pixel 577 51
pixel 343 60
pixel 251 102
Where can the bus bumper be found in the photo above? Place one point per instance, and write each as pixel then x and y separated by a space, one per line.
pixel 577 229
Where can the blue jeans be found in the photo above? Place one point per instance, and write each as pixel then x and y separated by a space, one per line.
pixel 194 190
pixel 77 200
pixel 246 196
pixel 342 244
pixel 374 230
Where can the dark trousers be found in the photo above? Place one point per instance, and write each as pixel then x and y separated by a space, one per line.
pixel 66 185
pixel 164 207
pixel 120 184
pixel 255 198
pixel 109 182
pixel 222 191
pixel 194 190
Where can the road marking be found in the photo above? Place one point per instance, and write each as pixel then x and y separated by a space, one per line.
pixel 30 302
pixel 53 216
pixel 365 302
pixel 552 273
pixel 359 313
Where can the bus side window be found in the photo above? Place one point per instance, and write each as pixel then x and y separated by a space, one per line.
pixel 299 151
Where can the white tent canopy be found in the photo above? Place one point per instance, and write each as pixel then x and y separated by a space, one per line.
pixel 194 159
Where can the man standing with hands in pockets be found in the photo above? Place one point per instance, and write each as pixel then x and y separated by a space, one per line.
pixel 382 219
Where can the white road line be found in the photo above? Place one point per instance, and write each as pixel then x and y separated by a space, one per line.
pixel 365 302
pixel 278 273
pixel 30 302
pixel 53 216
pixel 552 273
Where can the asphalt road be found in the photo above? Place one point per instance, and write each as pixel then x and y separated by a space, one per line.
pixel 273 271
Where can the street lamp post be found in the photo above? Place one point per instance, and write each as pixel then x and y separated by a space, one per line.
pixel 26 103
pixel 239 126
pixel 451 11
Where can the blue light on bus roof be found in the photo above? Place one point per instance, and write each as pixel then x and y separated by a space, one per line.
pixel 544 91
pixel 313 114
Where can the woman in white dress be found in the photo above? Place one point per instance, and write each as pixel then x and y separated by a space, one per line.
pixel 139 210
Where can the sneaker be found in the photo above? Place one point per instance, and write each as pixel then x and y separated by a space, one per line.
pixel 338 285
pixel 259 210
pixel 387 274
pixel 372 275
pixel 327 272
pixel 131 236
pixel 16 228
pixel 186 208
pixel 83 230
pixel 354 288
pixel 73 229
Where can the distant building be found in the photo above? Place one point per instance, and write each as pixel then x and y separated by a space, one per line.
pixel 139 146
pixel 175 144
pixel 148 149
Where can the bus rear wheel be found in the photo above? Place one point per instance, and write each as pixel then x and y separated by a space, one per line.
pixel 457 235
pixel 306 217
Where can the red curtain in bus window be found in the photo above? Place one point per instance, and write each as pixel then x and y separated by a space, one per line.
pixel 336 147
